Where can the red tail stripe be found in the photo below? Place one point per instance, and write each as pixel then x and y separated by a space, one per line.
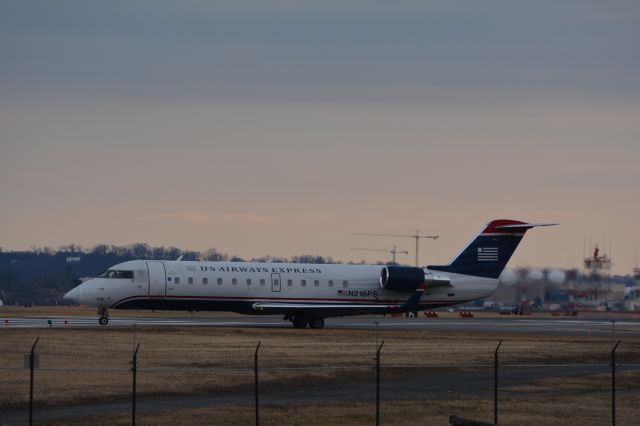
pixel 494 227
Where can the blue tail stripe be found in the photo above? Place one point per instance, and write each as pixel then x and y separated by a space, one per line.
pixel 486 256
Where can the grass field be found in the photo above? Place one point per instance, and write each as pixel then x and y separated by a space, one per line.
pixel 403 413
pixel 319 376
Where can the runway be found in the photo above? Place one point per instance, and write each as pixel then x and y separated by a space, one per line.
pixel 526 325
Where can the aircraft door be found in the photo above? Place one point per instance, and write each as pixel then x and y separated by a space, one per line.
pixel 157 279
pixel 275 282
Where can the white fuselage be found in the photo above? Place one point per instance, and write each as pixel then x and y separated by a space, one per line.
pixel 238 286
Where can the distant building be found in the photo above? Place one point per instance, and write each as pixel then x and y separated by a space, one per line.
pixel 597 265
pixel 73 259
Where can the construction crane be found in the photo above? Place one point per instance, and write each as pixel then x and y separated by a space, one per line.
pixel 393 252
pixel 415 236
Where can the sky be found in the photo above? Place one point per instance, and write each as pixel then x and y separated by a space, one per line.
pixel 285 127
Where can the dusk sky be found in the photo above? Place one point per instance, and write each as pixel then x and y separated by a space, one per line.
pixel 284 127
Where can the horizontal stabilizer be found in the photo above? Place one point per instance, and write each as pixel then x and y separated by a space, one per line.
pixel 525 226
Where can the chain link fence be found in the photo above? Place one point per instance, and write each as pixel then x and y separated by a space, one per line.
pixel 386 383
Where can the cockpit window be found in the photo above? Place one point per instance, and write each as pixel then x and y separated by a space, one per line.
pixel 110 273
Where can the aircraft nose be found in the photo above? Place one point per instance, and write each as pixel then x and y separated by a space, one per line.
pixel 75 295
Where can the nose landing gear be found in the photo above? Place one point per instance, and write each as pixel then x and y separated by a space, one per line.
pixel 104 315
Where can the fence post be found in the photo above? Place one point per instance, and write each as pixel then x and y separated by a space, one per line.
pixel 495 383
pixel 378 383
pixel 613 383
pixel 32 362
pixel 255 371
pixel 134 369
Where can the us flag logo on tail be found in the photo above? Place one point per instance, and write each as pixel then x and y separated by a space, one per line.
pixel 487 254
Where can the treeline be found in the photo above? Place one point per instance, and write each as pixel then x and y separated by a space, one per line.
pixel 42 275
pixel 133 251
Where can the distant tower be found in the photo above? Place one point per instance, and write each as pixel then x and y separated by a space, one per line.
pixel 393 252
pixel 598 265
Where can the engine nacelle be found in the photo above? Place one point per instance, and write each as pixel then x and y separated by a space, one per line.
pixel 401 278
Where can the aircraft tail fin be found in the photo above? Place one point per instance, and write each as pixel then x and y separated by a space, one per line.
pixel 488 253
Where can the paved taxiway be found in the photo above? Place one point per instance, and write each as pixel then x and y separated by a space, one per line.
pixel 566 326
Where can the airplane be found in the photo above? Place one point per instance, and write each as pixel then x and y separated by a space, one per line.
pixel 305 294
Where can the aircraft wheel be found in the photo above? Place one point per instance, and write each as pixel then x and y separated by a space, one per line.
pixel 300 322
pixel 103 320
pixel 316 323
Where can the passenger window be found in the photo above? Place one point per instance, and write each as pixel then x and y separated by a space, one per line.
pixel 345 283
pixel 205 280
pixel 316 283
pixel 330 283
pixel 303 283
pixel 177 280
pixel 219 281
pixel 289 283
pixel 190 279
pixel 262 281
pixel 234 281
pixel 248 281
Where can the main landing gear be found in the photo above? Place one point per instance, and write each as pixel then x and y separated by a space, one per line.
pixel 104 315
pixel 300 321
pixel 316 323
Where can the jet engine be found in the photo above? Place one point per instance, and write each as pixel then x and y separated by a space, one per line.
pixel 406 278
pixel 401 278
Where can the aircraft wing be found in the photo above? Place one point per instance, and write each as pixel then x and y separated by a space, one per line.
pixel 336 309
pixel 314 306
pixel 345 308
